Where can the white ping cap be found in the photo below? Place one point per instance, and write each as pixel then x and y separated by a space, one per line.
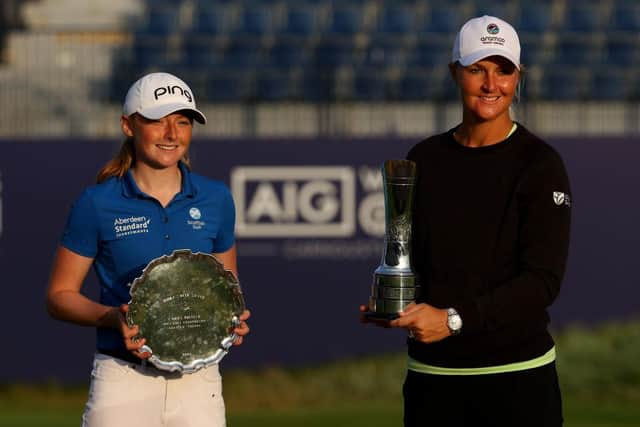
pixel 159 94
pixel 486 36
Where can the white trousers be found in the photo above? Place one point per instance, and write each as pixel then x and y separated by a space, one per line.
pixel 123 394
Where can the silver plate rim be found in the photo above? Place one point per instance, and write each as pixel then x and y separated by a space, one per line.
pixel 225 344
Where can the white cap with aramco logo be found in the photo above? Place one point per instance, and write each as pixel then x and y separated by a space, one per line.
pixel 486 36
pixel 158 94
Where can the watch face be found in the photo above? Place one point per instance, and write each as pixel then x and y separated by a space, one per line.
pixel 455 322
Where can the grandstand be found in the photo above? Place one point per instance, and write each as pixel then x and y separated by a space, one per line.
pixel 354 68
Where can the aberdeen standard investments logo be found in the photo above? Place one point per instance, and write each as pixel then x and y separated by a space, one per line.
pixel 294 201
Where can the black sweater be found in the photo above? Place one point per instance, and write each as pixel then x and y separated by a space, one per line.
pixel 490 238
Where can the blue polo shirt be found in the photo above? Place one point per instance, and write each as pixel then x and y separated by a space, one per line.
pixel 122 229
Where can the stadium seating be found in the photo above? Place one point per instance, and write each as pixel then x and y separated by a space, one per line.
pixel 534 17
pixel 625 16
pixel 612 84
pixel 578 50
pixel 396 20
pixel 423 84
pixel 565 83
pixel 287 53
pixel 201 50
pixel 154 51
pixel 346 19
pixel 583 16
pixel 257 20
pixel 335 52
pixel 302 21
pixel 243 53
pixel 430 51
pixel 385 52
pixel 501 8
pixel 623 49
pixel 213 19
pixel 370 84
pixel 317 86
pixel 536 49
pixel 274 85
pixel 229 86
pixel 163 18
pixel 377 50
pixel 444 18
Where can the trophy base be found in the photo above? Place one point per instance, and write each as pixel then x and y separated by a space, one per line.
pixel 391 292
pixel 372 315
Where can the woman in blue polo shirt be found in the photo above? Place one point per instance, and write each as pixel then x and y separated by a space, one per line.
pixel 147 203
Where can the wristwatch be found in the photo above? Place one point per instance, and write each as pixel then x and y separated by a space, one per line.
pixel 454 321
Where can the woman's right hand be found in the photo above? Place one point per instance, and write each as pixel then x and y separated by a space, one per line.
pixel 129 333
pixel 65 302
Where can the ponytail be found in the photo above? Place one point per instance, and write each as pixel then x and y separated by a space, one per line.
pixel 120 164
pixel 124 160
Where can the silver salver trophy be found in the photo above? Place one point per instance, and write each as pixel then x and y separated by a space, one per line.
pixel 394 281
pixel 186 306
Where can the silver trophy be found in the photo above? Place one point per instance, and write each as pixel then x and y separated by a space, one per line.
pixel 186 305
pixel 394 281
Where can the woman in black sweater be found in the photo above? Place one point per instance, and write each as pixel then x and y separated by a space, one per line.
pixel 489 245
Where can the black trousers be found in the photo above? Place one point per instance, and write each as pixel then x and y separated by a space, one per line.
pixel 529 398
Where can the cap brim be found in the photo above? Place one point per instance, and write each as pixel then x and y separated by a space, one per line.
pixel 485 53
pixel 164 110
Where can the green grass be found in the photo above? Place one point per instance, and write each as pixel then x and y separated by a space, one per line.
pixel 598 413
pixel 362 416
pixel 599 372
pixel 577 414
pixel 36 417
pixel 602 363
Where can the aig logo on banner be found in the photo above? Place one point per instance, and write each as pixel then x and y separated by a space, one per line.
pixel 294 201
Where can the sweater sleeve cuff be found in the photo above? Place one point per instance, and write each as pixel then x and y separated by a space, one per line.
pixel 471 320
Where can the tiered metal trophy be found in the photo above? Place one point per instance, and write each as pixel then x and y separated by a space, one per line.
pixel 394 281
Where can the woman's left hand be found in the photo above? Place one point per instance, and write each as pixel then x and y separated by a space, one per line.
pixel 424 322
pixel 243 328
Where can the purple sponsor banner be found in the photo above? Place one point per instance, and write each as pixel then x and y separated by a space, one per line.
pixel 309 234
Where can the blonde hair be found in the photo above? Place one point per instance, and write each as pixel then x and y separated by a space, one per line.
pixel 119 165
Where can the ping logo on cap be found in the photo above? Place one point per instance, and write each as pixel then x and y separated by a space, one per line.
pixel 493 29
pixel 172 90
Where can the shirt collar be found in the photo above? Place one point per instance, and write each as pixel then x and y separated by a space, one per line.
pixel 131 190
